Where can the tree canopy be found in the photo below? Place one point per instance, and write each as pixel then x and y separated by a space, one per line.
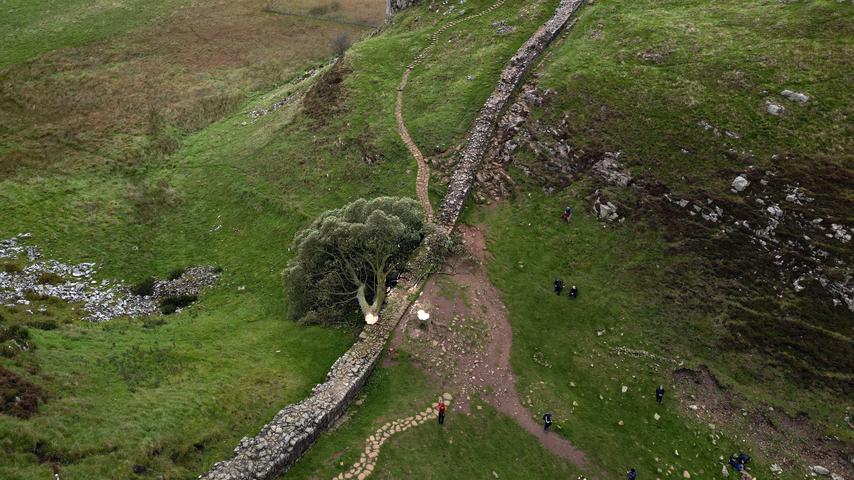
pixel 346 257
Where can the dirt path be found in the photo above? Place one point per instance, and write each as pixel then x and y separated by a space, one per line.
pixel 422 181
pixel 467 342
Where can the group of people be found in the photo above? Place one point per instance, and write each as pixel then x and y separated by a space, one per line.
pixel 738 462
pixel 559 286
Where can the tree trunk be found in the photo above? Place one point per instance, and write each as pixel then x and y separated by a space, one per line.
pixel 372 311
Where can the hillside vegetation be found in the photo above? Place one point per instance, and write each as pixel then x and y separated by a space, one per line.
pixel 124 140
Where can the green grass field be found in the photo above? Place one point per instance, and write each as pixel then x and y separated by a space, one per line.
pixel 202 188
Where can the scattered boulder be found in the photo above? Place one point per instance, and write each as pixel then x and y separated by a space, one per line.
pixel 610 171
pixel 774 108
pixel 740 183
pixel 819 470
pixel 796 96
pixel 605 210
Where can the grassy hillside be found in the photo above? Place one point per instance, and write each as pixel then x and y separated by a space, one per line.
pixel 134 152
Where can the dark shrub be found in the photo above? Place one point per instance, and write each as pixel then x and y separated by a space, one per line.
pixel 44 324
pixel 35 297
pixel 14 332
pixel 152 322
pixel 145 288
pixel 170 305
pixel 176 274
pixel 50 278
pixel 340 44
pixel 18 397
pixel 10 267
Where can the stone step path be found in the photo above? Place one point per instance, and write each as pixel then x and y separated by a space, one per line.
pixel 366 465
pixel 422 180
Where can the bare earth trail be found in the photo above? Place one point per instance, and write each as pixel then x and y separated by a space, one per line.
pixel 422 181
pixel 480 367
pixel 466 346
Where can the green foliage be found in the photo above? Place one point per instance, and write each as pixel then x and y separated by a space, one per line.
pixel 145 288
pixel 147 367
pixel 346 256
pixel 177 273
pixel 14 339
pixel 48 324
pixel 10 267
pixel 170 305
pixel 50 278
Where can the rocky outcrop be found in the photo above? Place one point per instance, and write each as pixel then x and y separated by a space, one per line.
pixel 25 275
pixel 394 6
pixel 480 135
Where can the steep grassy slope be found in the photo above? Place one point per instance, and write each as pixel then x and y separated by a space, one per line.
pixel 636 76
pixel 681 89
pixel 176 397
pixel 661 292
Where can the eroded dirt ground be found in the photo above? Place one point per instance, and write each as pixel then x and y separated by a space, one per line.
pixel 465 344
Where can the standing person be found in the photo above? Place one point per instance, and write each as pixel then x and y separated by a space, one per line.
pixel 573 292
pixel 442 408
pixel 632 475
pixel 547 421
pixel 659 394
pixel 567 214
pixel 558 285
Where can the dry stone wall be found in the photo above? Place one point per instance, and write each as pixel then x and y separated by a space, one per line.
pixel 282 442
pixel 484 127
pixel 296 427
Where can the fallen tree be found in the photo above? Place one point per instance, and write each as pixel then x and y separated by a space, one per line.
pixel 346 257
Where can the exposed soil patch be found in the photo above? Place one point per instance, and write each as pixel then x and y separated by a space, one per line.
pixel 785 440
pixel 19 397
pixel 326 97
pixel 465 345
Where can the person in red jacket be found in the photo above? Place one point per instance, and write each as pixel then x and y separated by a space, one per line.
pixel 442 408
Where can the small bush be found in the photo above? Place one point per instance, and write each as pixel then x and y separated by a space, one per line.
pixel 153 322
pixel 176 274
pixel 32 296
pixel 10 267
pixel 50 278
pixel 170 305
pixel 14 332
pixel 44 324
pixel 13 339
pixel 145 288
pixel 18 397
pixel 341 44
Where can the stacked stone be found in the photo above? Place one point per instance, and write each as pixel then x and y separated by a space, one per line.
pixel 296 427
pixel 366 464
pixel 485 124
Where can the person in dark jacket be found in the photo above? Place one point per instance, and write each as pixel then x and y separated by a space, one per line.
pixel 567 214
pixel 558 286
pixel 573 292
pixel 632 475
pixel 547 421
pixel 442 408
pixel 659 394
